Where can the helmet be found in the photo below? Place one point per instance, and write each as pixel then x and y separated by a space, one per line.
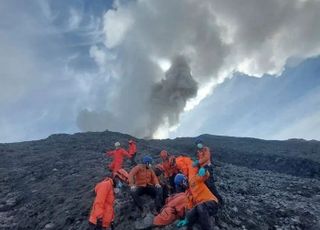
pixel 199 145
pixel 117 144
pixel 164 154
pixel 180 179
pixel 198 141
pixel 131 141
pixel 147 160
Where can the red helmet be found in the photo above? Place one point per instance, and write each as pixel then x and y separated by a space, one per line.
pixel 164 154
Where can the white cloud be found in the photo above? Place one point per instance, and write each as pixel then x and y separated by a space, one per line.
pixel 74 19
pixel 116 24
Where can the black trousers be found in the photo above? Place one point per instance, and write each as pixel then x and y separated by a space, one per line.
pixel 201 214
pixel 172 184
pixel 210 182
pixel 155 193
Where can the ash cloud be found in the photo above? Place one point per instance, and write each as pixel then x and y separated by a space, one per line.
pixel 164 104
pixel 217 37
pixel 170 95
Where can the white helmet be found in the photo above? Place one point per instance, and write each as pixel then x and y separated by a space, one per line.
pixel 117 144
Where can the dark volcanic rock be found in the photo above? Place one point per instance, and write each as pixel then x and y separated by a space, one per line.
pixel 48 184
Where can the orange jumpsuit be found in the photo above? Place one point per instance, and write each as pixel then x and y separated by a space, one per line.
pixel 123 175
pixel 132 148
pixel 169 170
pixel 141 176
pixel 174 209
pixel 102 207
pixel 198 189
pixel 118 155
pixel 184 165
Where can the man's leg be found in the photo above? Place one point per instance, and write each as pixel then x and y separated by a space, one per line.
pixel 210 182
pixel 212 207
pixel 203 216
pixel 172 184
pixel 136 197
pixel 157 194
pixel 192 217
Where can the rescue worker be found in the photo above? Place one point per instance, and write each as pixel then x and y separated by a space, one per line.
pixel 202 202
pixel 159 172
pixel 142 180
pixel 123 175
pixel 102 212
pixel 184 165
pixel 204 160
pixel 132 151
pixel 168 164
pixel 118 154
pixel 173 209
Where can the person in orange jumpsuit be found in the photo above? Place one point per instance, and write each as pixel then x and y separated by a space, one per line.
pixel 183 165
pixel 118 154
pixel 123 175
pixel 204 161
pixel 174 209
pixel 169 169
pixel 142 180
pixel 202 203
pixel 102 213
pixel 132 151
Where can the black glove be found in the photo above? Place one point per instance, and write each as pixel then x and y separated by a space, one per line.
pixel 112 226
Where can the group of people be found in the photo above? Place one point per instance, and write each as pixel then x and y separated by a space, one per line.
pixel 182 188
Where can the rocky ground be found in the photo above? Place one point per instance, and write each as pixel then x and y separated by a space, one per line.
pixel 48 184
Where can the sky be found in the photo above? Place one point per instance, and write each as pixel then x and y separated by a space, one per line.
pixel 158 69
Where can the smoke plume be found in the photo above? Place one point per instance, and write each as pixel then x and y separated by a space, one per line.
pixel 210 40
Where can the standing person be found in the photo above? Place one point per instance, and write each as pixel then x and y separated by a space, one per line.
pixel 102 212
pixel 132 151
pixel 142 180
pixel 204 161
pixel 202 202
pixel 118 154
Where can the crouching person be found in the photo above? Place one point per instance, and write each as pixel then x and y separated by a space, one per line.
pixel 204 204
pixel 142 180
pixel 102 213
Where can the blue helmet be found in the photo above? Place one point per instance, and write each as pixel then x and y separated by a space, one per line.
pixel 147 160
pixel 180 179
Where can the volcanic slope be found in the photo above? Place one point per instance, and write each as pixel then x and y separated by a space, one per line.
pixel 48 184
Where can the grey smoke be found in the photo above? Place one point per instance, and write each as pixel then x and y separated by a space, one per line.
pixel 169 96
pixel 165 102
pixel 217 37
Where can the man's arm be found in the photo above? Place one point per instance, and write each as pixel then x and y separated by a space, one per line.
pixel 132 174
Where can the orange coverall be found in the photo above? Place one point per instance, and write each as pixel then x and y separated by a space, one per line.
pixel 102 207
